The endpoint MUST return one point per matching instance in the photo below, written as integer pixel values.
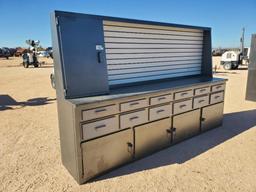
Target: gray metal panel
(65, 113)
(83, 73)
(107, 152)
(207, 54)
(152, 137)
(186, 125)
(212, 116)
(251, 79)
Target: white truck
(232, 59)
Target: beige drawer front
(132, 119)
(182, 106)
(217, 97)
(99, 112)
(201, 101)
(160, 112)
(218, 87)
(133, 105)
(160, 99)
(183, 94)
(98, 128)
(203, 90)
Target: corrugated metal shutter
(138, 52)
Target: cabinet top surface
(136, 90)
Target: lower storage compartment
(185, 125)
(107, 152)
(212, 116)
(152, 137)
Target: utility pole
(242, 42)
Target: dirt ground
(223, 159)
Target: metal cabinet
(104, 153)
(186, 125)
(212, 116)
(152, 137)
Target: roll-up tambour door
(142, 52)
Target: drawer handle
(133, 118)
(182, 94)
(100, 126)
(160, 110)
(218, 87)
(202, 90)
(100, 110)
(216, 97)
(181, 106)
(130, 147)
(161, 98)
(135, 103)
(200, 101)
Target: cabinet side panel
(65, 111)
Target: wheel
(35, 65)
(235, 67)
(227, 66)
(26, 65)
(7, 57)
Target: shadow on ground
(233, 124)
(8, 103)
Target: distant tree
(40, 48)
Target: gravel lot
(223, 159)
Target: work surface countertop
(128, 91)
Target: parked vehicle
(232, 59)
(5, 52)
(20, 51)
(49, 51)
(43, 54)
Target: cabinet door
(152, 137)
(186, 125)
(212, 116)
(104, 153)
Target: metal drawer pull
(181, 106)
(160, 110)
(135, 103)
(100, 110)
(216, 97)
(161, 98)
(182, 94)
(130, 147)
(218, 87)
(135, 117)
(202, 119)
(100, 126)
(202, 90)
(200, 101)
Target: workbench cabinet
(128, 88)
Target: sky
(30, 19)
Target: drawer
(217, 97)
(160, 99)
(133, 105)
(201, 101)
(160, 112)
(182, 106)
(218, 87)
(203, 90)
(183, 94)
(98, 128)
(132, 119)
(99, 112)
